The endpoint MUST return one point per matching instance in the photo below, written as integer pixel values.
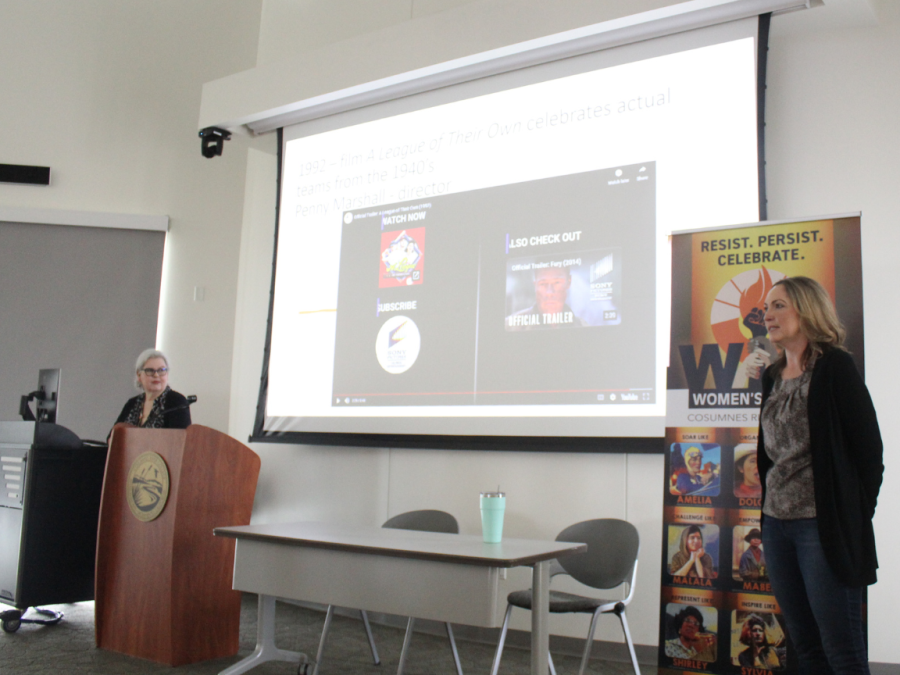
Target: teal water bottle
(493, 504)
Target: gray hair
(142, 358)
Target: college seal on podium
(148, 486)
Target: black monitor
(46, 398)
(48, 395)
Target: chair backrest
(426, 520)
(611, 555)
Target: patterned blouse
(790, 494)
(675, 649)
(155, 419)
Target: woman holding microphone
(820, 463)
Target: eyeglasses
(692, 622)
(154, 371)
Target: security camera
(212, 139)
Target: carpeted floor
(69, 648)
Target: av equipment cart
(49, 504)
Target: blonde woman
(820, 464)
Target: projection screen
(486, 265)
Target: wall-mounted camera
(212, 140)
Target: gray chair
(610, 561)
(427, 520)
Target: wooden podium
(163, 587)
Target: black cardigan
(173, 419)
(846, 462)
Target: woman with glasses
(158, 406)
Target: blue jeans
(823, 615)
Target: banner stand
(715, 588)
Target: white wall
(830, 142)
(106, 93)
(289, 27)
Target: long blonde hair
(818, 319)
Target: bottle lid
(493, 494)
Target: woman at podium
(158, 406)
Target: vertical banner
(717, 613)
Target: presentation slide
(498, 264)
(491, 297)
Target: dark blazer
(846, 462)
(174, 419)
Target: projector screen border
(592, 444)
(610, 444)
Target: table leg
(540, 618)
(265, 642)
